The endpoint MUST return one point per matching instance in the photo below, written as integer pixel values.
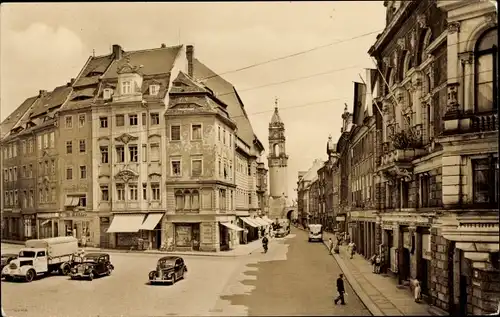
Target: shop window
(485, 180)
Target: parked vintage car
(6, 258)
(169, 269)
(92, 265)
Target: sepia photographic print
(276, 158)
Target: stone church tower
(277, 162)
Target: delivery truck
(42, 257)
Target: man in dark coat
(340, 289)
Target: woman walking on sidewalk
(330, 246)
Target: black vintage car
(169, 269)
(92, 265)
(6, 258)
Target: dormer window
(107, 93)
(126, 88)
(154, 89)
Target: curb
(369, 304)
(111, 251)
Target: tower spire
(276, 103)
(276, 117)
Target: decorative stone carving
(422, 21)
(387, 61)
(403, 173)
(466, 57)
(452, 104)
(413, 40)
(491, 18)
(126, 138)
(453, 27)
(126, 175)
(402, 43)
(395, 59)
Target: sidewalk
(379, 294)
(241, 250)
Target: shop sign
(48, 215)
(183, 235)
(206, 232)
(104, 220)
(340, 218)
(76, 214)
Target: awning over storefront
(260, 221)
(71, 201)
(231, 226)
(126, 223)
(151, 221)
(265, 218)
(250, 222)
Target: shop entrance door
(104, 236)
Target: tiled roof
(153, 61)
(50, 100)
(227, 93)
(96, 67)
(10, 122)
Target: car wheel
(65, 269)
(174, 279)
(110, 269)
(9, 278)
(30, 275)
(91, 276)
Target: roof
(94, 254)
(10, 122)
(312, 173)
(95, 68)
(153, 61)
(226, 92)
(276, 116)
(50, 100)
(169, 258)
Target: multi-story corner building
(129, 162)
(212, 175)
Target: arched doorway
(289, 215)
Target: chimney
(117, 52)
(189, 57)
(163, 45)
(42, 93)
(71, 82)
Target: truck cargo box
(56, 247)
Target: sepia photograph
(274, 158)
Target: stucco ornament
(126, 175)
(422, 21)
(126, 138)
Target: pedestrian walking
(372, 262)
(378, 263)
(330, 246)
(417, 291)
(340, 290)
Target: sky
(43, 45)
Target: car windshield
(91, 259)
(166, 264)
(27, 254)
